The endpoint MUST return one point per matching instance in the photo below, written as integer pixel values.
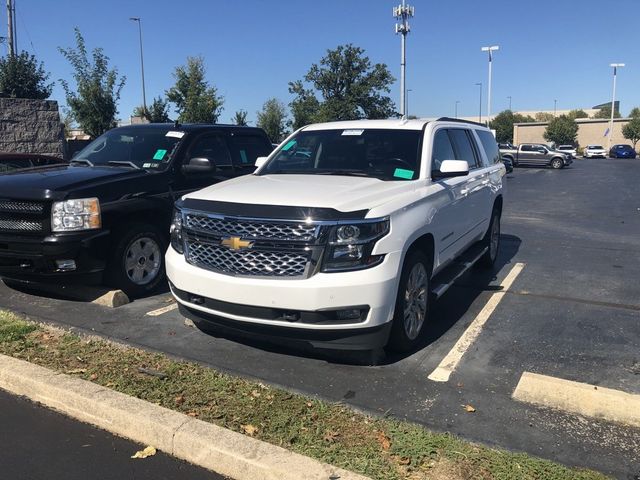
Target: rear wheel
(491, 241)
(412, 303)
(557, 163)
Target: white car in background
(595, 151)
(570, 149)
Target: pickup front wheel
(412, 303)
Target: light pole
(144, 95)
(403, 13)
(407, 109)
(457, 102)
(490, 50)
(509, 97)
(555, 107)
(479, 84)
(613, 99)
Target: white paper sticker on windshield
(352, 132)
(174, 133)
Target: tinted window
(490, 146)
(246, 148)
(462, 146)
(528, 148)
(442, 149)
(213, 147)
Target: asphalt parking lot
(571, 309)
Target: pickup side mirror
(198, 165)
(260, 161)
(451, 168)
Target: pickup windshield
(377, 153)
(139, 147)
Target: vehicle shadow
(445, 313)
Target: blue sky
(549, 49)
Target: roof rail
(448, 119)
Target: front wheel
(412, 303)
(557, 163)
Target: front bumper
(30, 258)
(247, 303)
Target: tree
(577, 114)
(157, 112)
(635, 113)
(562, 130)
(273, 119)
(67, 121)
(240, 118)
(22, 77)
(544, 117)
(503, 124)
(631, 131)
(605, 112)
(349, 85)
(196, 101)
(94, 102)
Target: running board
(443, 280)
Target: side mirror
(260, 161)
(451, 168)
(198, 165)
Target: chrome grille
(19, 225)
(14, 206)
(246, 262)
(253, 229)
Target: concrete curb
(201, 443)
(581, 398)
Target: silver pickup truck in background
(535, 154)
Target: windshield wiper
(347, 173)
(124, 162)
(80, 160)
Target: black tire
(491, 240)
(406, 330)
(557, 163)
(142, 275)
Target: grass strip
(381, 448)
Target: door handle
(464, 192)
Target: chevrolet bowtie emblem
(236, 243)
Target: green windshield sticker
(243, 156)
(402, 173)
(159, 155)
(289, 145)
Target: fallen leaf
(179, 399)
(77, 370)
(404, 460)
(249, 429)
(469, 409)
(255, 394)
(331, 436)
(93, 376)
(309, 404)
(147, 452)
(192, 414)
(385, 442)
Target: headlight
(76, 215)
(351, 244)
(176, 232)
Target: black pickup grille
(18, 216)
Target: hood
(56, 182)
(345, 194)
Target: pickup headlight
(176, 232)
(351, 244)
(76, 215)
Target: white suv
(343, 235)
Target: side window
(213, 147)
(527, 148)
(442, 149)
(464, 149)
(246, 148)
(490, 146)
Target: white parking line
(450, 362)
(160, 311)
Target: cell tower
(402, 13)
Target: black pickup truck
(105, 217)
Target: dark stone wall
(31, 126)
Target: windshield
(384, 154)
(137, 147)
(595, 147)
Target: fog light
(66, 265)
(351, 314)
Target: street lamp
(509, 97)
(555, 107)
(457, 102)
(407, 107)
(479, 84)
(490, 50)
(403, 13)
(144, 96)
(613, 98)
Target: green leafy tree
(605, 112)
(544, 117)
(577, 114)
(94, 101)
(562, 130)
(273, 119)
(635, 113)
(631, 131)
(196, 101)
(503, 124)
(157, 112)
(349, 85)
(67, 121)
(240, 118)
(22, 77)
